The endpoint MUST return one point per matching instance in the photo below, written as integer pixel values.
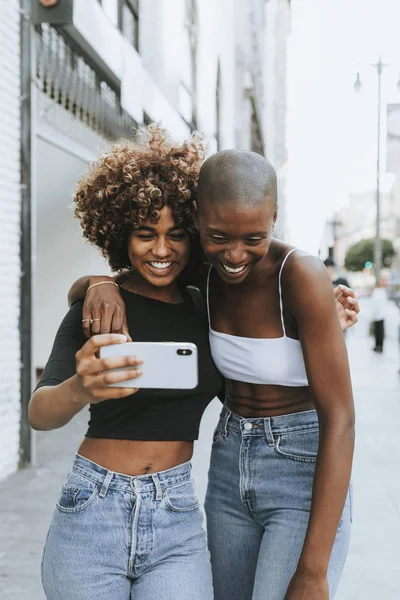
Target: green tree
(364, 251)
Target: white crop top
(266, 361)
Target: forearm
(78, 290)
(331, 483)
(80, 286)
(52, 407)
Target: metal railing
(66, 77)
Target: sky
(332, 137)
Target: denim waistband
(262, 425)
(140, 483)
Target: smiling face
(159, 251)
(236, 237)
(236, 211)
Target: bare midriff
(254, 400)
(134, 457)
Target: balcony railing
(65, 76)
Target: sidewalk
(372, 569)
(372, 573)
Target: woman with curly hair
(128, 523)
(279, 500)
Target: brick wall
(9, 236)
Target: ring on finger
(91, 321)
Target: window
(129, 21)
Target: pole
(378, 244)
(26, 233)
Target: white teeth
(234, 271)
(160, 265)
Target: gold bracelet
(101, 283)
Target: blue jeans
(258, 503)
(116, 537)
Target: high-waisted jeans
(258, 504)
(116, 537)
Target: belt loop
(268, 431)
(105, 484)
(225, 423)
(157, 485)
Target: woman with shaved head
(279, 496)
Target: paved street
(372, 572)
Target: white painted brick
(10, 203)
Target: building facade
(277, 31)
(10, 267)
(249, 55)
(97, 68)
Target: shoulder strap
(280, 289)
(198, 302)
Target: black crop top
(148, 414)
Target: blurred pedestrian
(336, 278)
(379, 305)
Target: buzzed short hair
(237, 176)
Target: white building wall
(277, 17)
(243, 80)
(151, 79)
(62, 255)
(250, 71)
(216, 45)
(9, 237)
(161, 38)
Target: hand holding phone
(166, 365)
(94, 375)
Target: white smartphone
(166, 365)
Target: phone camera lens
(184, 352)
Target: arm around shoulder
(79, 288)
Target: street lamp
(378, 66)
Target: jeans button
(248, 426)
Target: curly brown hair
(134, 180)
